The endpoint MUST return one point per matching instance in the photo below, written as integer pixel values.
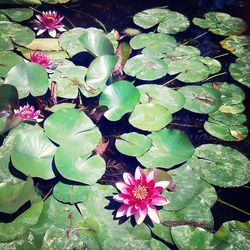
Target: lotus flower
(27, 113)
(50, 21)
(41, 58)
(140, 195)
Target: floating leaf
(169, 148)
(201, 99)
(232, 109)
(240, 71)
(15, 195)
(99, 71)
(18, 14)
(133, 144)
(72, 129)
(213, 64)
(238, 45)
(157, 94)
(28, 78)
(120, 98)
(10, 231)
(8, 60)
(221, 24)
(13, 32)
(79, 168)
(61, 106)
(155, 44)
(220, 165)
(96, 43)
(44, 44)
(146, 67)
(70, 193)
(227, 118)
(169, 21)
(150, 117)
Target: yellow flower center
(140, 192)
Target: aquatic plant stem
(225, 54)
(232, 206)
(195, 38)
(166, 83)
(213, 76)
(48, 194)
(86, 14)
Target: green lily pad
(13, 32)
(79, 168)
(213, 64)
(32, 153)
(120, 98)
(221, 24)
(240, 71)
(150, 117)
(8, 99)
(231, 94)
(182, 52)
(28, 78)
(170, 147)
(69, 79)
(133, 144)
(226, 132)
(227, 118)
(14, 195)
(220, 165)
(18, 14)
(96, 43)
(157, 94)
(61, 106)
(201, 99)
(238, 45)
(155, 44)
(232, 109)
(73, 130)
(70, 193)
(8, 60)
(170, 22)
(10, 231)
(99, 71)
(145, 67)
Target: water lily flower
(41, 58)
(27, 113)
(49, 21)
(140, 195)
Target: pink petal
(153, 214)
(120, 185)
(162, 184)
(40, 32)
(52, 33)
(119, 197)
(139, 174)
(121, 211)
(129, 179)
(61, 29)
(151, 176)
(140, 216)
(159, 201)
(131, 210)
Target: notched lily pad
(18, 14)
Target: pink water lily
(27, 112)
(49, 21)
(140, 195)
(42, 59)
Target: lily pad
(18, 14)
(150, 117)
(44, 44)
(221, 24)
(28, 78)
(133, 144)
(157, 94)
(240, 71)
(170, 22)
(220, 165)
(120, 98)
(61, 106)
(72, 129)
(155, 44)
(79, 168)
(227, 118)
(232, 109)
(99, 71)
(69, 79)
(13, 32)
(170, 147)
(32, 153)
(238, 45)
(70, 193)
(201, 99)
(145, 67)
(8, 60)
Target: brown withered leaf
(102, 146)
(236, 135)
